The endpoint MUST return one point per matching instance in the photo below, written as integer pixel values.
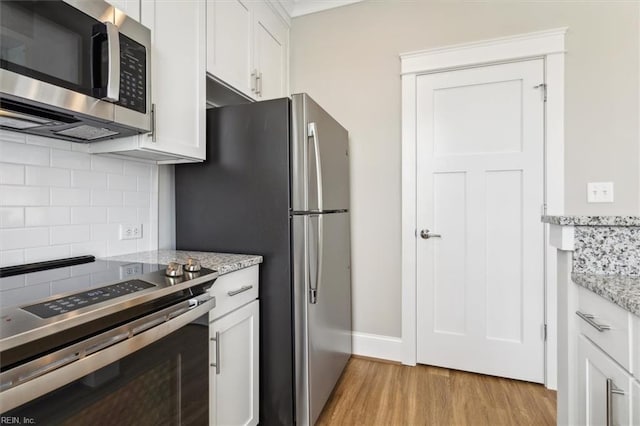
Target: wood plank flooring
(375, 393)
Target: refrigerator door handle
(313, 134)
(314, 285)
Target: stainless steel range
(116, 340)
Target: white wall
(347, 59)
(58, 201)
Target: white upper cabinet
(178, 79)
(229, 42)
(271, 53)
(178, 83)
(130, 7)
(247, 47)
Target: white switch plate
(600, 192)
(130, 232)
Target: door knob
(426, 235)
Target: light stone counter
(622, 290)
(221, 262)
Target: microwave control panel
(133, 75)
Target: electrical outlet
(130, 232)
(600, 192)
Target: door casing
(548, 45)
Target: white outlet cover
(600, 192)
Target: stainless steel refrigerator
(276, 183)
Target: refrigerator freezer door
(323, 328)
(319, 158)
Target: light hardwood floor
(375, 393)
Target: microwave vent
(87, 132)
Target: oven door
(79, 56)
(159, 376)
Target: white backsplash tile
(127, 215)
(88, 215)
(39, 254)
(97, 248)
(11, 239)
(48, 142)
(23, 154)
(70, 159)
(70, 197)
(83, 179)
(45, 176)
(137, 169)
(12, 174)
(106, 198)
(11, 257)
(124, 183)
(47, 216)
(70, 234)
(57, 200)
(18, 195)
(14, 137)
(105, 232)
(144, 183)
(107, 164)
(11, 217)
(137, 199)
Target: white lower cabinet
(233, 350)
(635, 403)
(604, 395)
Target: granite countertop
(592, 220)
(221, 262)
(622, 290)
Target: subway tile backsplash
(56, 200)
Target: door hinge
(544, 332)
(543, 209)
(543, 90)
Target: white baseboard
(377, 346)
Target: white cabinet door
(178, 76)
(248, 47)
(234, 370)
(270, 54)
(595, 369)
(130, 7)
(229, 42)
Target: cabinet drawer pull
(611, 390)
(589, 319)
(240, 290)
(217, 363)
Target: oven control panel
(86, 298)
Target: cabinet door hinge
(543, 209)
(543, 90)
(544, 332)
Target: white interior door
(480, 286)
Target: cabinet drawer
(234, 290)
(606, 325)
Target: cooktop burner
(87, 298)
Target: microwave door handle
(113, 65)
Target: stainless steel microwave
(77, 70)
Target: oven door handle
(43, 375)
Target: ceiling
(303, 7)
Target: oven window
(48, 41)
(165, 383)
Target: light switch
(600, 192)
